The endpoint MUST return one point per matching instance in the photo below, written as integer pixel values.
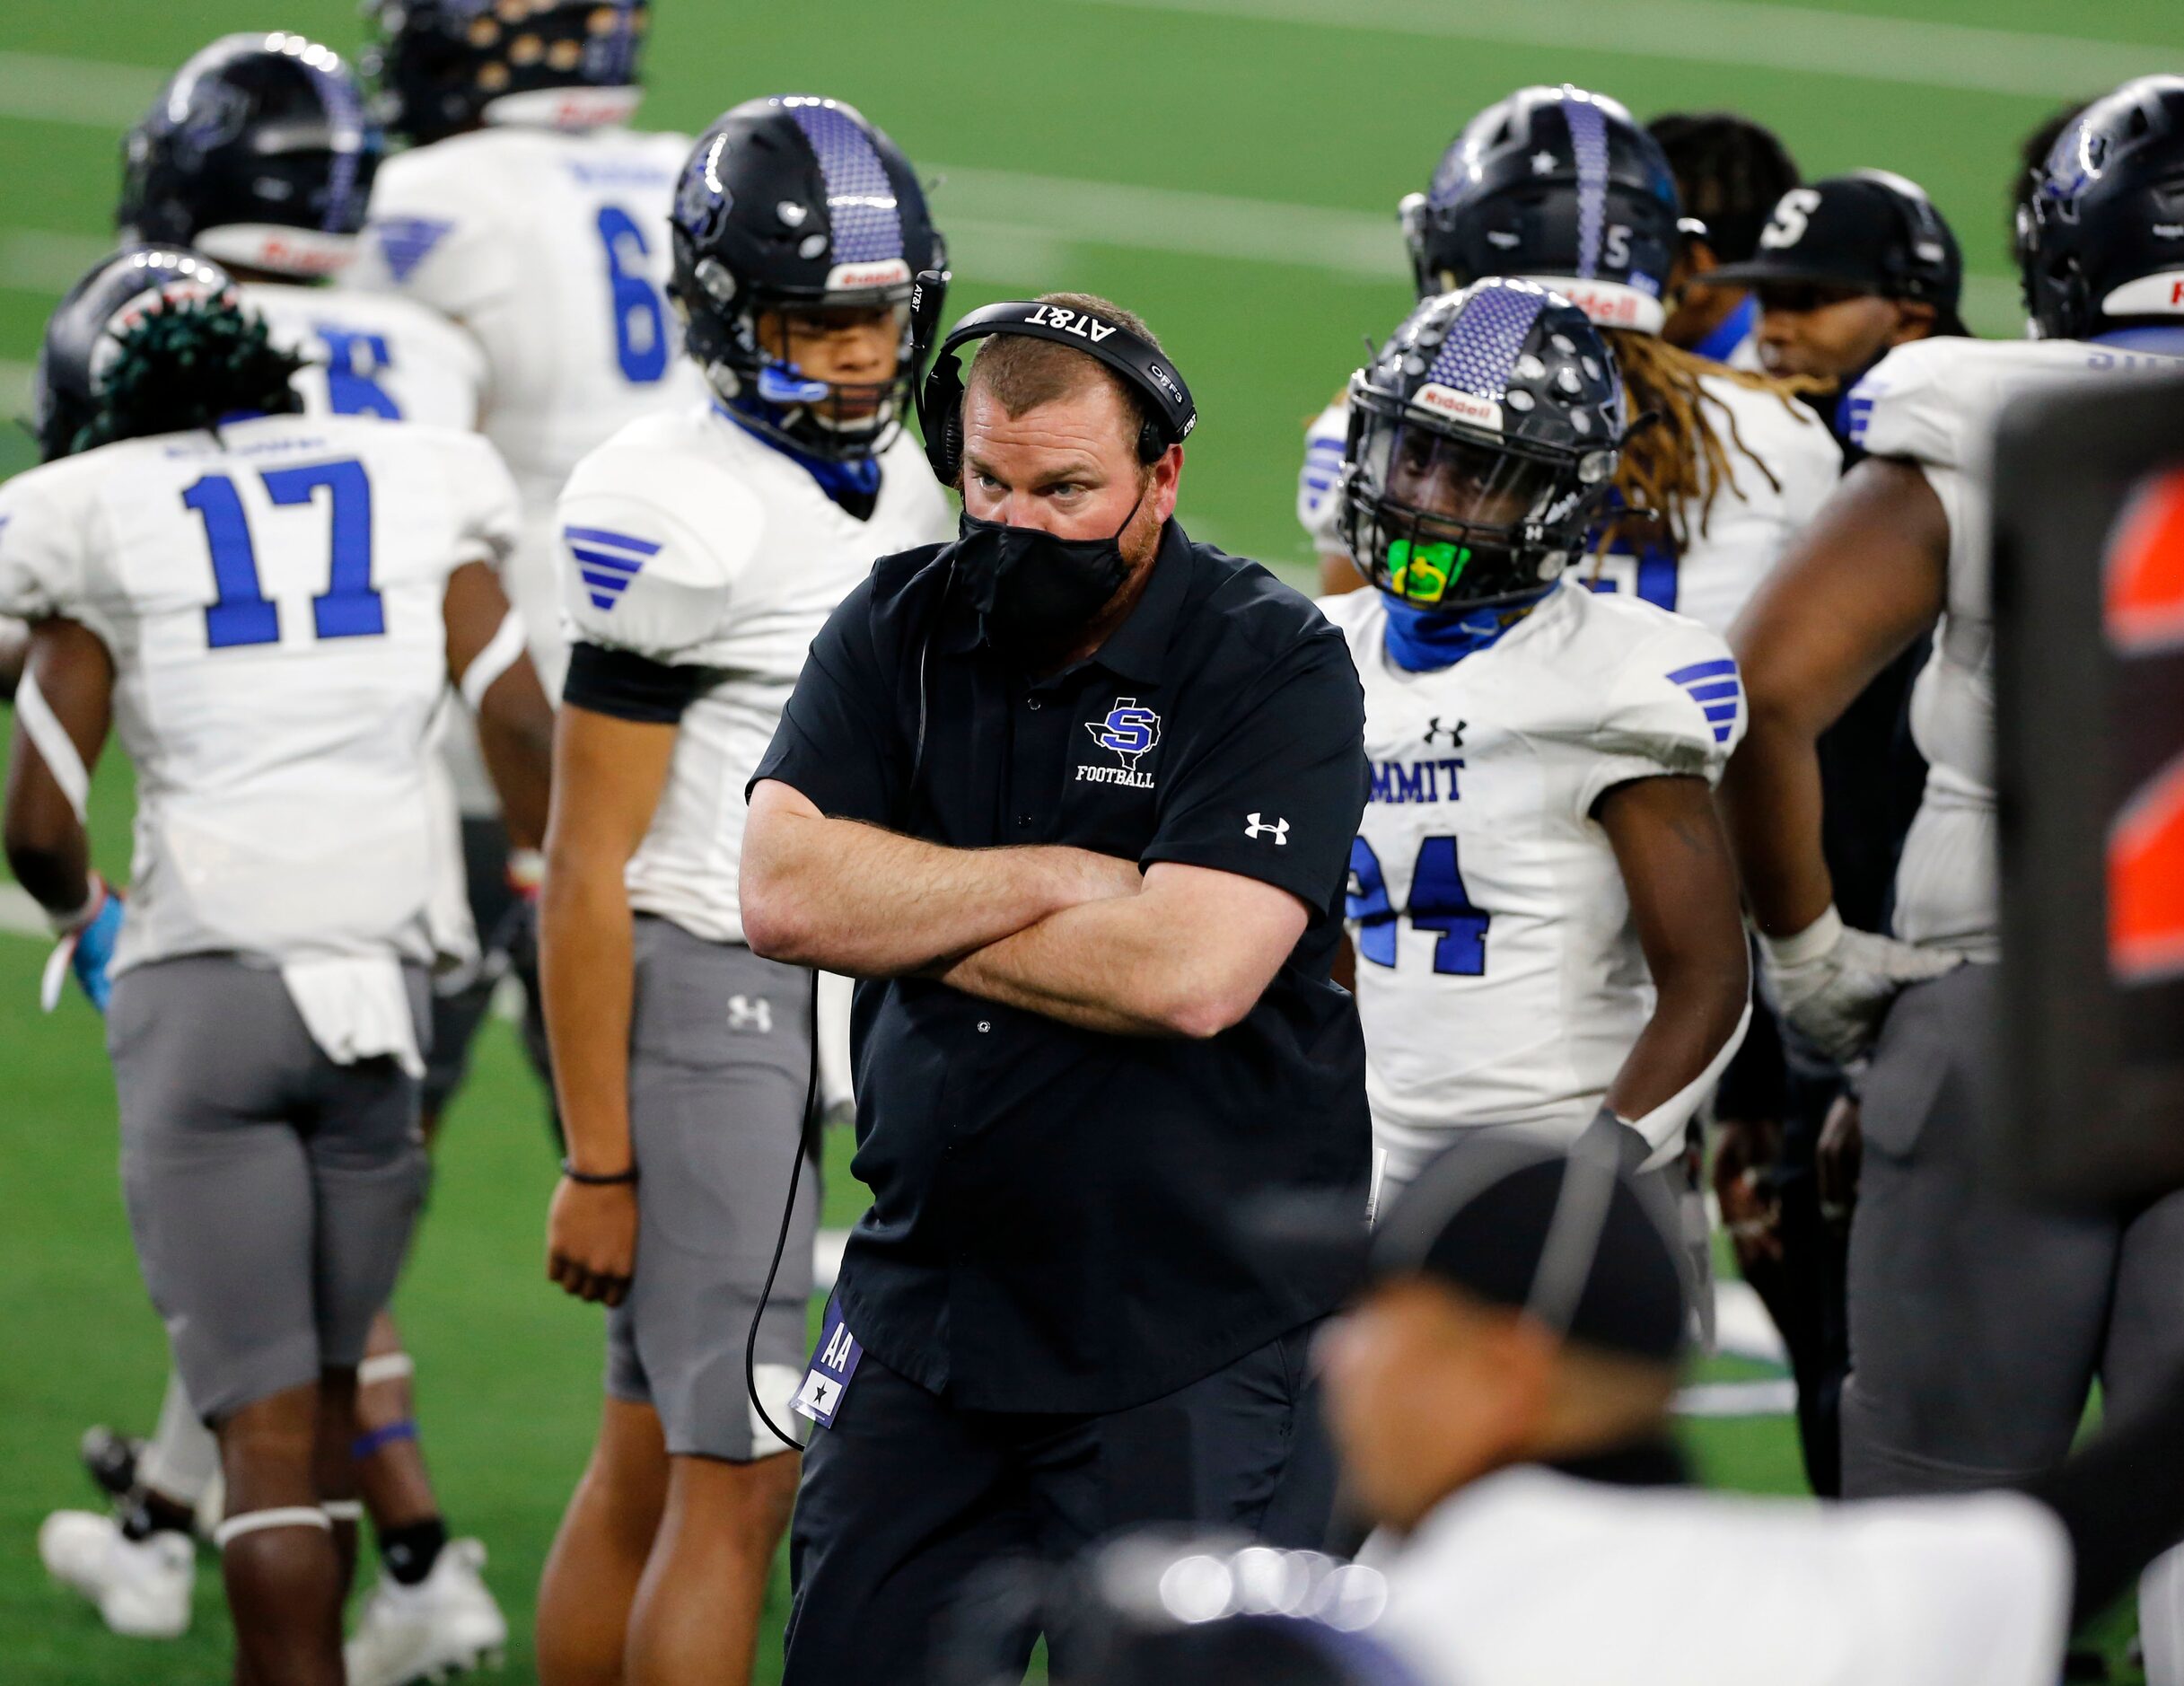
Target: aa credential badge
(1129, 732)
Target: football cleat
(142, 1587)
(109, 1458)
(448, 1623)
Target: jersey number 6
(242, 613)
(640, 325)
(1438, 902)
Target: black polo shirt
(1055, 1219)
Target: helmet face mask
(1479, 449)
(797, 220)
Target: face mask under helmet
(1483, 440)
(795, 206)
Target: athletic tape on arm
(55, 747)
(503, 650)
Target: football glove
(86, 947)
(1834, 983)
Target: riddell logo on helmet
(1619, 308)
(1466, 406)
(850, 278)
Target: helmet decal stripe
(860, 198)
(1589, 143)
(345, 115)
(1486, 339)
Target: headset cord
(806, 1144)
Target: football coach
(1073, 797)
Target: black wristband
(590, 1180)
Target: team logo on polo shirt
(1129, 732)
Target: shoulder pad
(1675, 698)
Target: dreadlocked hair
(186, 363)
(1672, 465)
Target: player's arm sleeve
(838, 742)
(1324, 442)
(645, 597)
(1276, 794)
(1675, 708)
(44, 568)
(490, 512)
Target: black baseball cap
(1871, 231)
(1559, 1233)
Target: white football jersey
(374, 356)
(550, 246)
(1751, 521)
(1498, 976)
(1530, 1577)
(272, 598)
(1745, 532)
(689, 541)
(1935, 402)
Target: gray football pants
(1978, 1323)
(271, 1191)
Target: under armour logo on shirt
(1434, 729)
(752, 1014)
(1279, 828)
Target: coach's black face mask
(1034, 591)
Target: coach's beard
(1035, 592)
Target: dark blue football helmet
(1560, 187)
(440, 67)
(794, 202)
(257, 152)
(1483, 443)
(2100, 236)
(86, 327)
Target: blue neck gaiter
(1730, 333)
(1420, 641)
(838, 480)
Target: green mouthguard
(1423, 573)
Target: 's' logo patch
(1129, 732)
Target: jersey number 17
(242, 613)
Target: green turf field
(1229, 167)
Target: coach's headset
(940, 395)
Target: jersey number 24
(1438, 902)
(242, 613)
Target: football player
(1845, 269)
(525, 210)
(703, 547)
(1559, 186)
(2035, 1304)
(258, 152)
(1544, 907)
(1730, 173)
(268, 607)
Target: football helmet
(257, 152)
(2100, 236)
(86, 329)
(444, 66)
(1560, 187)
(1483, 442)
(794, 202)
